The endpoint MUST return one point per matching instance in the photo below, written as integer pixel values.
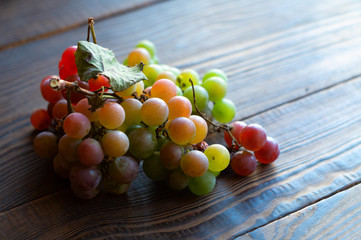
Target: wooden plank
(337, 217)
(320, 155)
(258, 63)
(24, 21)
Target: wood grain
(308, 52)
(337, 217)
(25, 21)
(320, 156)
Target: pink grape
(76, 125)
(269, 152)
(253, 137)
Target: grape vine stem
(217, 126)
(91, 29)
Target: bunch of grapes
(98, 138)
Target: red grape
(269, 152)
(68, 57)
(40, 119)
(236, 130)
(253, 137)
(48, 93)
(75, 97)
(97, 83)
(243, 163)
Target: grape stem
(225, 127)
(91, 29)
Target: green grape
(215, 73)
(151, 72)
(224, 110)
(216, 174)
(68, 148)
(174, 70)
(131, 128)
(170, 155)
(147, 45)
(161, 141)
(142, 142)
(155, 60)
(179, 91)
(131, 108)
(216, 88)
(154, 112)
(154, 169)
(114, 187)
(115, 143)
(202, 185)
(194, 163)
(218, 157)
(202, 97)
(178, 180)
(184, 76)
(45, 144)
(125, 61)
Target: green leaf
(92, 59)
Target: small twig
(91, 29)
(217, 126)
(68, 102)
(59, 84)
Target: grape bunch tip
(97, 135)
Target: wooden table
(293, 66)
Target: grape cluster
(98, 138)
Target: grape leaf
(92, 59)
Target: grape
(127, 92)
(115, 143)
(45, 144)
(170, 155)
(138, 55)
(236, 130)
(216, 174)
(194, 163)
(154, 112)
(179, 91)
(76, 125)
(60, 109)
(142, 142)
(139, 88)
(61, 166)
(184, 76)
(84, 181)
(224, 110)
(65, 72)
(201, 129)
(148, 45)
(243, 163)
(269, 152)
(50, 109)
(148, 92)
(83, 107)
(174, 70)
(75, 97)
(179, 106)
(253, 137)
(215, 73)
(181, 130)
(151, 72)
(132, 108)
(48, 93)
(123, 169)
(178, 180)
(216, 88)
(114, 187)
(111, 115)
(153, 168)
(125, 61)
(167, 75)
(90, 152)
(164, 89)
(98, 82)
(202, 185)
(40, 119)
(131, 128)
(68, 148)
(68, 57)
(218, 157)
(202, 97)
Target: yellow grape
(139, 87)
(167, 75)
(131, 108)
(154, 112)
(201, 129)
(164, 89)
(127, 92)
(179, 106)
(181, 130)
(111, 115)
(138, 55)
(115, 143)
(218, 157)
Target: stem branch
(91, 29)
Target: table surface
(293, 66)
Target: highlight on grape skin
(99, 138)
